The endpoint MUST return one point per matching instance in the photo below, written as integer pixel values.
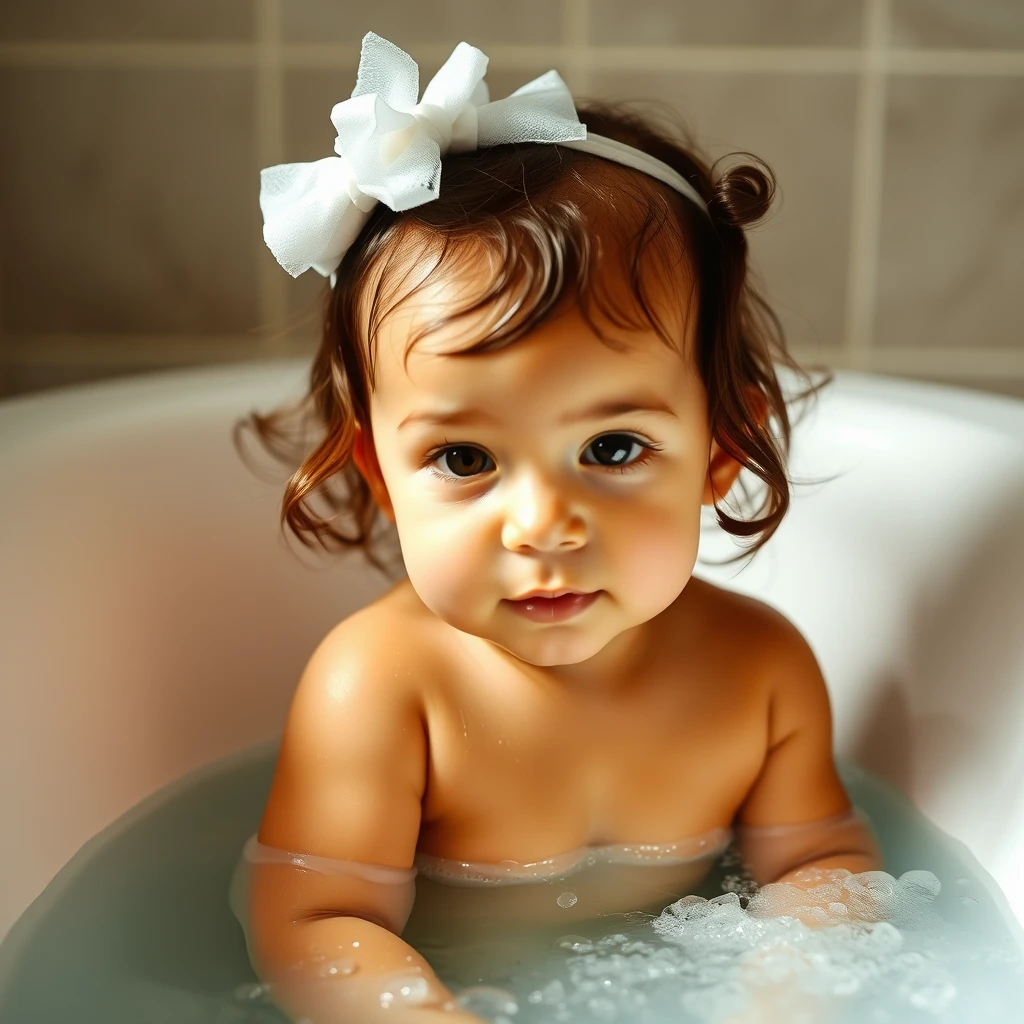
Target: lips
(549, 593)
(539, 607)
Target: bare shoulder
(732, 608)
(392, 637)
(378, 655)
(763, 645)
(776, 667)
(352, 765)
(797, 781)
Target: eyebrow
(605, 409)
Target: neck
(619, 666)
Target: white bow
(390, 147)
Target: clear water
(136, 929)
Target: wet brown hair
(536, 210)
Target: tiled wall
(133, 132)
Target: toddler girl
(542, 355)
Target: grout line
(969, 363)
(151, 350)
(273, 299)
(128, 55)
(574, 51)
(4, 349)
(866, 193)
(174, 349)
(955, 62)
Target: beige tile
(305, 297)
(954, 24)
(726, 22)
(309, 97)
(404, 22)
(952, 232)
(120, 20)
(802, 127)
(25, 379)
(130, 202)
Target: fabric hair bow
(390, 147)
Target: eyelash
(435, 453)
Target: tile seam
(866, 191)
(573, 49)
(269, 144)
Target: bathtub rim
(31, 420)
(1003, 413)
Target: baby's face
(561, 464)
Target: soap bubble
(251, 991)
(488, 1002)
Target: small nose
(538, 517)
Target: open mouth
(553, 609)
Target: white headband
(390, 147)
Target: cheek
(446, 559)
(656, 551)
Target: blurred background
(134, 130)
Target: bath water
(136, 929)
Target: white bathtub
(152, 620)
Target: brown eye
(464, 460)
(614, 449)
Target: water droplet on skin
(405, 990)
(340, 968)
(567, 899)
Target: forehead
(555, 361)
(553, 365)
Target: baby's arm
(798, 783)
(349, 779)
(796, 818)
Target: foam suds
(170, 952)
(875, 951)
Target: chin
(550, 651)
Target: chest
(517, 772)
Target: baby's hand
(818, 897)
(815, 897)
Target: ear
(723, 469)
(365, 457)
